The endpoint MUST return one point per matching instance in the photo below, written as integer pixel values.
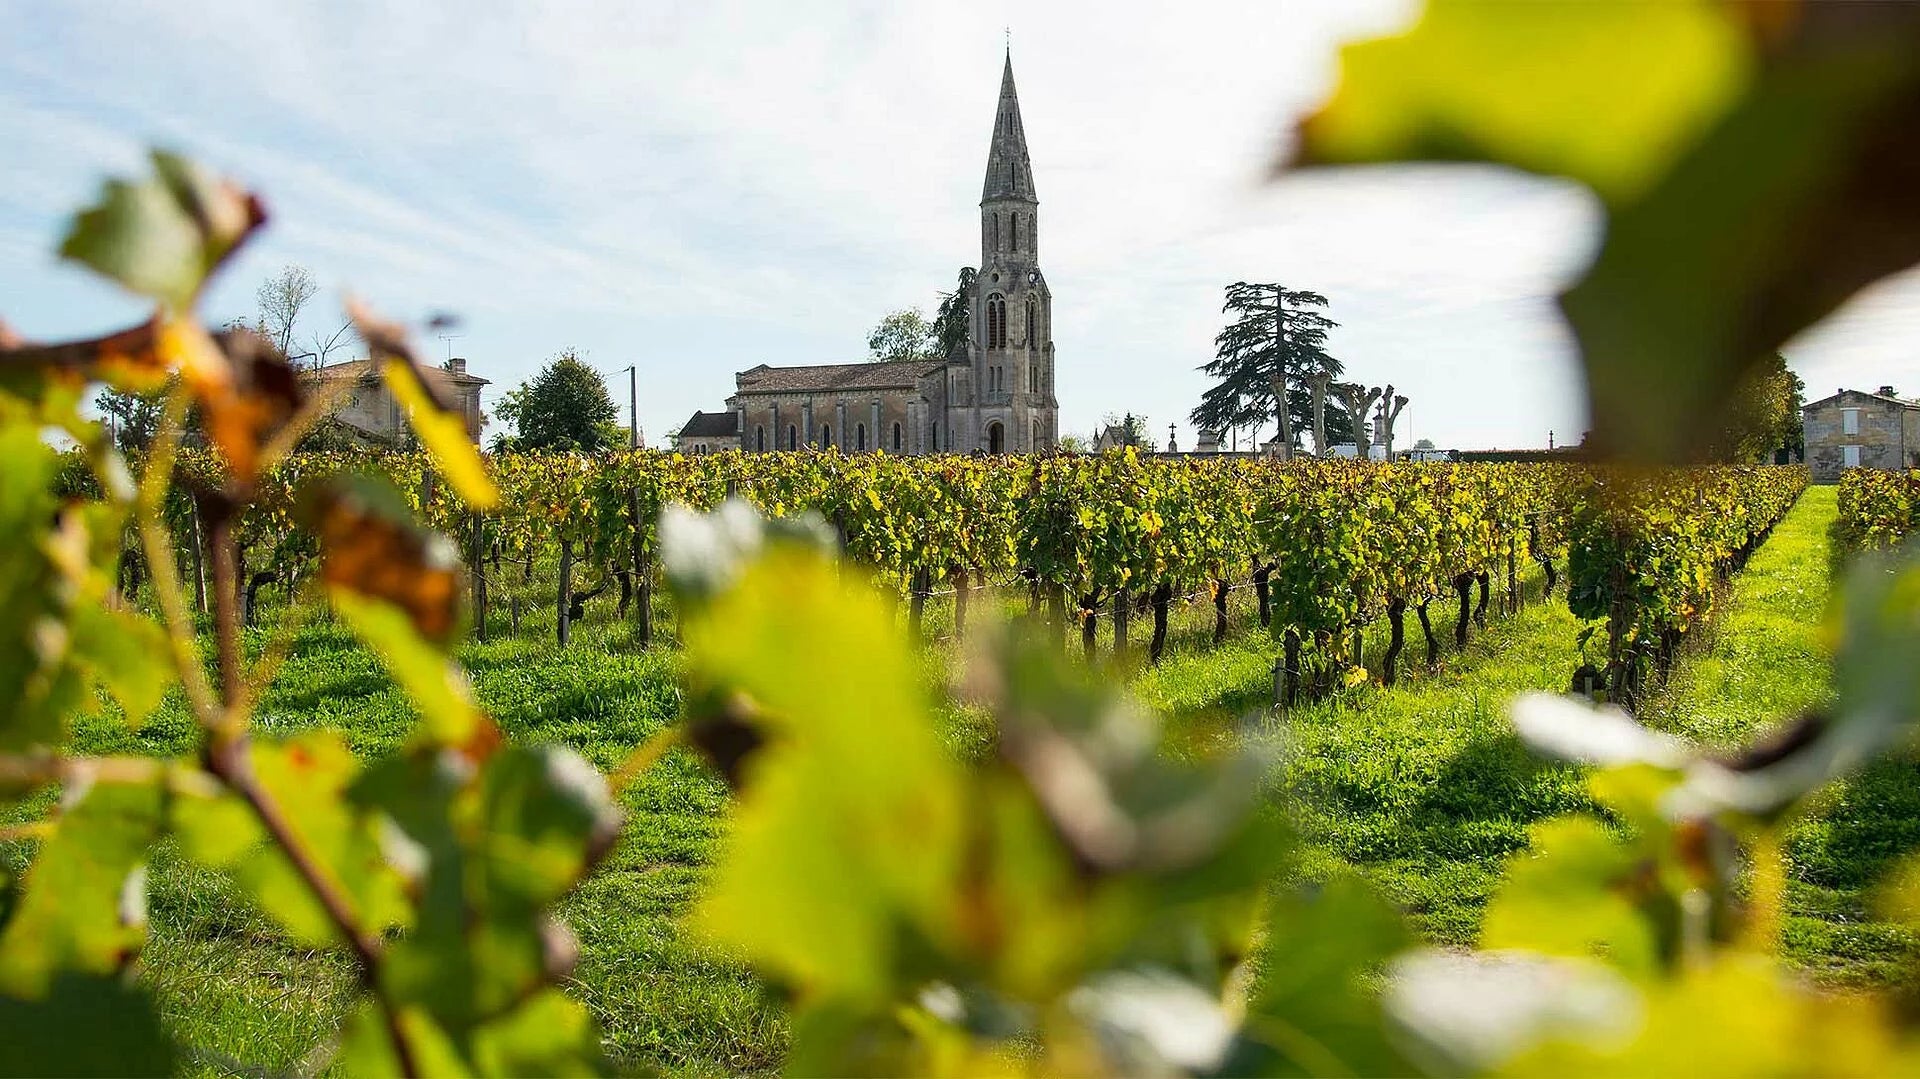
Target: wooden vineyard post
(477, 566)
(1122, 618)
(198, 550)
(565, 592)
(642, 577)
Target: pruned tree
(1278, 333)
(565, 407)
(1355, 400)
(322, 344)
(952, 323)
(901, 335)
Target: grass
(1766, 662)
(1422, 787)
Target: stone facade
(995, 395)
(1858, 429)
(708, 432)
(369, 412)
(853, 407)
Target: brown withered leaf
(369, 546)
(258, 394)
(129, 359)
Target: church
(995, 395)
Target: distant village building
(368, 412)
(993, 395)
(1113, 436)
(1855, 429)
(1207, 441)
(708, 432)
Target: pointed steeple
(1009, 170)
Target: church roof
(711, 425)
(824, 378)
(1009, 169)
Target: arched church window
(1033, 322)
(1016, 232)
(793, 437)
(760, 438)
(996, 232)
(826, 435)
(997, 321)
(860, 437)
(896, 438)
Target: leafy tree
(1279, 331)
(1424, 444)
(281, 298)
(135, 417)
(563, 408)
(902, 335)
(952, 322)
(1133, 428)
(1761, 415)
(1071, 444)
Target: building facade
(368, 412)
(1855, 429)
(994, 395)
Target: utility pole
(633, 406)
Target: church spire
(1009, 170)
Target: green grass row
(1766, 662)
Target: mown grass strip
(1766, 662)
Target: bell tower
(1013, 409)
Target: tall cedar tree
(1279, 330)
(564, 407)
(951, 322)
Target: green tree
(902, 335)
(134, 417)
(563, 408)
(1134, 430)
(1762, 414)
(952, 322)
(1278, 331)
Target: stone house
(369, 413)
(1856, 429)
(992, 394)
(709, 432)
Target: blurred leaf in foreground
(164, 235)
(1755, 160)
(421, 391)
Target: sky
(695, 189)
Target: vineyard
(1328, 548)
(1877, 509)
(810, 773)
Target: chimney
(458, 365)
(1886, 391)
